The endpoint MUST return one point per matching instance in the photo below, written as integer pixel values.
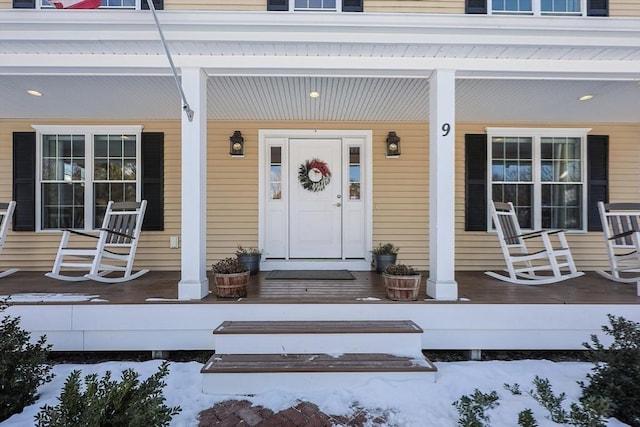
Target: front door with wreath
(315, 208)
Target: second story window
(538, 7)
(315, 5)
(321, 5)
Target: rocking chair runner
(621, 231)
(524, 266)
(115, 250)
(6, 213)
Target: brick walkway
(242, 413)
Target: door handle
(337, 204)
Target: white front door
(315, 204)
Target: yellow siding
(243, 5)
(400, 195)
(415, 6)
(624, 8)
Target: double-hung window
(542, 172)
(80, 169)
(538, 7)
(316, 5)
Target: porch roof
(367, 67)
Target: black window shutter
(24, 181)
(24, 4)
(158, 5)
(597, 178)
(597, 7)
(475, 7)
(475, 182)
(352, 5)
(153, 180)
(278, 5)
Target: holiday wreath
(314, 175)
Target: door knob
(337, 204)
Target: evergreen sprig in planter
(230, 277)
(401, 282)
(250, 257)
(383, 255)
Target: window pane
(275, 173)
(276, 155)
(129, 170)
(62, 205)
(100, 146)
(497, 171)
(355, 173)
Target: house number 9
(446, 128)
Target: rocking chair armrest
(129, 236)
(80, 233)
(538, 233)
(623, 234)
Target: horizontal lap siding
(624, 8)
(241, 5)
(480, 250)
(415, 6)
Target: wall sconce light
(393, 145)
(236, 144)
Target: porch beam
(194, 283)
(441, 284)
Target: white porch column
(193, 281)
(441, 284)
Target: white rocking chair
(6, 214)
(115, 250)
(556, 262)
(621, 230)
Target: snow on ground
(406, 403)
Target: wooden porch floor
(474, 287)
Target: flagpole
(185, 104)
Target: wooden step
(257, 373)
(358, 336)
(317, 326)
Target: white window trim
(536, 10)
(88, 132)
(537, 134)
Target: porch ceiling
(372, 67)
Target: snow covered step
(330, 337)
(258, 373)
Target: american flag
(75, 4)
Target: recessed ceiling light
(314, 94)
(34, 92)
(585, 97)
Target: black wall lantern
(236, 144)
(393, 145)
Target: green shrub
(23, 366)
(107, 403)
(472, 408)
(616, 375)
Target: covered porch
(158, 287)
(146, 314)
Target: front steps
(255, 357)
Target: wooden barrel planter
(233, 285)
(402, 288)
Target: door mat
(310, 275)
